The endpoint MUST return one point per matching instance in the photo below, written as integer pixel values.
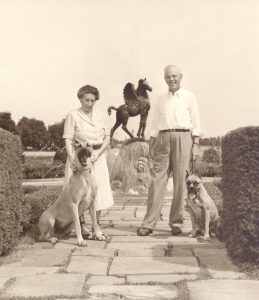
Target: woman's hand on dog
(95, 156)
(72, 164)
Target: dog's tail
(36, 232)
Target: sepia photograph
(129, 149)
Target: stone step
(67, 285)
(218, 289)
(153, 265)
(135, 291)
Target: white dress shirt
(178, 111)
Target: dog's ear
(196, 174)
(187, 174)
(90, 148)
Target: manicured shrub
(207, 169)
(10, 190)
(211, 155)
(240, 187)
(38, 169)
(61, 155)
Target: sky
(50, 48)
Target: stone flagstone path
(127, 266)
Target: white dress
(80, 128)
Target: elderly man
(174, 141)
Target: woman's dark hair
(88, 89)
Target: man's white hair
(172, 67)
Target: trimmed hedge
(10, 190)
(240, 187)
(39, 169)
(60, 155)
(207, 169)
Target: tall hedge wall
(240, 187)
(10, 190)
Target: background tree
(211, 155)
(211, 141)
(7, 123)
(55, 132)
(33, 133)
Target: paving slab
(227, 274)
(105, 280)
(124, 231)
(121, 212)
(43, 258)
(155, 239)
(166, 231)
(134, 246)
(116, 218)
(71, 243)
(133, 251)
(46, 285)
(85, 251)
(137, 291)
(212, 244)
(217, 289)
(42, 245)
(93, 265)
(13, 271)
(157, 250)
(154, 265)
(101, 297)
(216, 260)
(3, 280)
(159, 279)
(94, 297)
(211, 252)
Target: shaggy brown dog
(203, 211)
(75, 199)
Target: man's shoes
(176, 230)
(142, 231)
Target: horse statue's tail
(110, 109)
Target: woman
(87, 125)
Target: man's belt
(97, 146)
(175, 130)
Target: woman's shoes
(142, 231)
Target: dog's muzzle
(83, 155)
(191, 190)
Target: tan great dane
(78, 196)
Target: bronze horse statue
(136, 103)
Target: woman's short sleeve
(69, 127)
